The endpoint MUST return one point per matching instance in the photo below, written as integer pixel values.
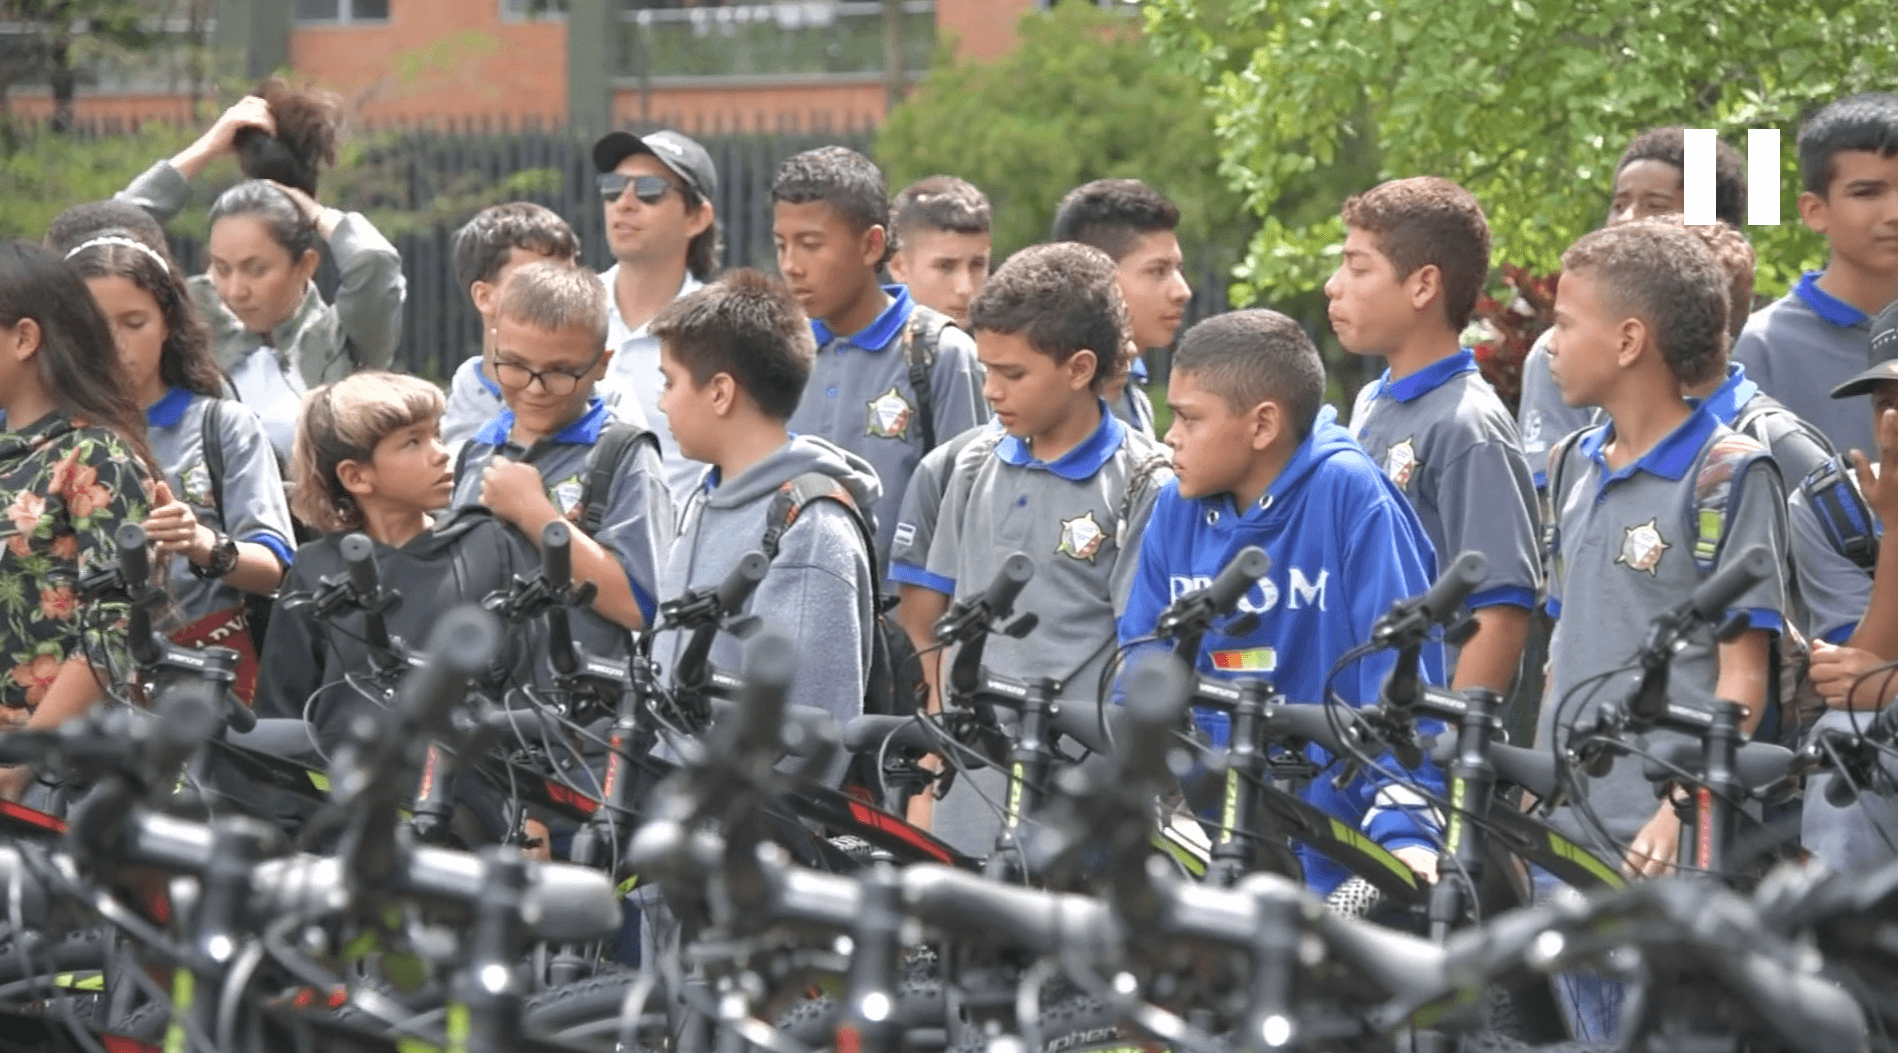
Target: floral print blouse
(65, 488)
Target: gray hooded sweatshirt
(820, 588)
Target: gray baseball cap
(1884, 356)
(681, 154)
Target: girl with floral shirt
(74, 467)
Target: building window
(531, 10)
(342, 12)
(801, 38)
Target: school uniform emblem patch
(1400, 462)
(890, 414)
(566, 497)
(1081, 537)
(197, 486)
(1642, 547)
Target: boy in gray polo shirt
(1801, 346)
(831, 219)
(531, 464)
(1649, 181)
(1645, 507)
(1849, 612)
(1416, 254)
(1063, 480)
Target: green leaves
(1527, 103)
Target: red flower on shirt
(37, 676)
(58, 601)
(26, 511)
(66, 547)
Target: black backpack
(921, 337)
(893, 684)
(605, 462)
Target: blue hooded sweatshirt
(1344, 546)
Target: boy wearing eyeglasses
(556, 452)
(657, 191)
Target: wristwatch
(223, 558)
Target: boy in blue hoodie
(1258, 461)
(736, 355)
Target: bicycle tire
(584, 1013)
(83, 951)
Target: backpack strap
(604, 464)
(1139, 481)
(211, 451)
(1553, 491)
(921, 337)
(1848, 521)
(796, 495)
(1716, 477)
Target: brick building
(705, 64)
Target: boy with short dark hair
(942, 244)
(488, 249)
(555, 452)
(1416, 255)
(1649, 180)
(1802, 345)
(1258, 460)
(1062, 479)
(736, 356)
(1645, 508)
(1134, 224)
(1640, 314)
(878, 350)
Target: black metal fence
(429, 171)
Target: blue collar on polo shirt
(878, 334)
(1077, 464)
(1670, 458)
(1425, 380)
(1826, 305)
(481, 374)
(168, 411)
(584, 431)
(1726, 402)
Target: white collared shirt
(633, 376)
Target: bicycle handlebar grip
(1715, 595)
(135, 564)
(188, 714)
(463, 643)
(742, 581)
(556, 554)
(1237, 576)
(1454, 586)
(359, 555)
(1017, 571)
(1156, 692)
(770, 663)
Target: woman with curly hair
(270, 328)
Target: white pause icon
(1762, 176)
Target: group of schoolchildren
(903, 439)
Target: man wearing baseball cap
(1835, 516)
(658, 191)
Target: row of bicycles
(202, 881)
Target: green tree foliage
(1081, 98)
(1528, 103)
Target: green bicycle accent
(1376, 851)
(1016, 778)
(1453, 837)
(319, 780)
(1585, 859)
(457, 1028)
(80, 981)
(182, 994)
(1188, 860)
(415, 1045)
(625, 888)
(1229, 817)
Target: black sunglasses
(649, 189)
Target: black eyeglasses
(649, 189)
(552, 381)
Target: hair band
(114, 239)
